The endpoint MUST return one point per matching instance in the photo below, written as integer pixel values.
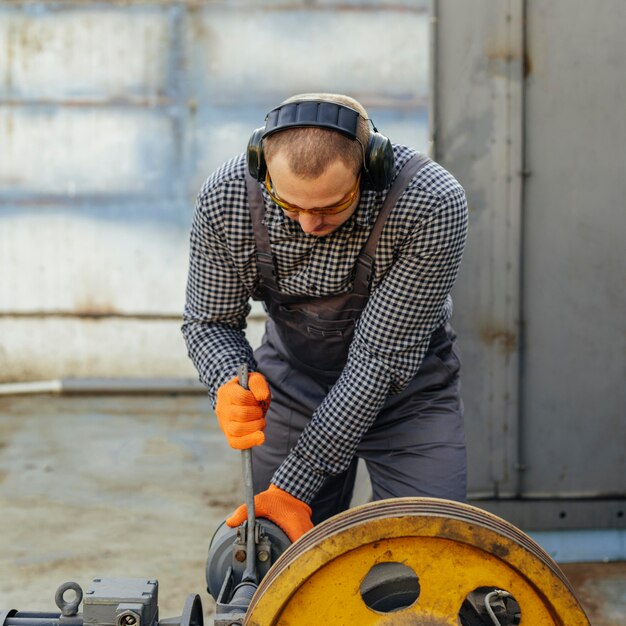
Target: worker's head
(312, 154)
(310, 149)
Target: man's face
(337, 182)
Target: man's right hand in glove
(241, 412)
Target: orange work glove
(241, 412)
(292, 515)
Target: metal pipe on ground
(71, 386)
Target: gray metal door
(529, 103)
(574, 276)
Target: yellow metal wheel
(451, 549)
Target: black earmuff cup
(380, 162)
(255, 157)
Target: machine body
(227, 563)
(108, 602)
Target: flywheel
(414, 561)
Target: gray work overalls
(416, 446)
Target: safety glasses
(345, 203)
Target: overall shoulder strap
(264, 256)
(364, 270)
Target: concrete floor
(134, 486)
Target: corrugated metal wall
(530, 100)
(111, 116)
(113, 113)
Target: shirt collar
(365, 214)
(273, 213)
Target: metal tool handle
(246, 457)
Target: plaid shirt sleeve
(391, 337)
(219, 282)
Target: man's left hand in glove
(290, 514)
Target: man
(353, 244)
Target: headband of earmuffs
(378, 157)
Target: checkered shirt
(417, 261)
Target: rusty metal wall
(529, 100)
(112, 113)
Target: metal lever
(250, 573)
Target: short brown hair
(310, 150)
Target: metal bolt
(240, 556)
(128, 620)
(263, 556)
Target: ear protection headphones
(378, 158)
